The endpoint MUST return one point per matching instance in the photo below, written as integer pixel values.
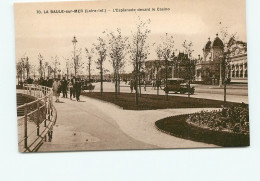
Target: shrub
(232, 119)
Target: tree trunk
(115, 81)
(189, 80)
(139, 82)
(89, 77)
(225, 92)
(118, 84)
(101, 79)
(166, 78)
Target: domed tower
(206, 51)
(217, 48)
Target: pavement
(235, 93)
(96, 125)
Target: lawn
(177, 126)
(151, 102)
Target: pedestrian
(73, 81)
(41, 82)
(56, 87)
(131, 85)
(153, 84)
(70, 86)
(158, 84)
(48, 82)
(29, 80)
(135, 85)
(64, 88)
(78, 89)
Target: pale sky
(52, 34)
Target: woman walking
(71, 89)
(56, 87)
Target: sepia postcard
(131, 75)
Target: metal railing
(39, 116)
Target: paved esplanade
(235, 92)
(96, 125)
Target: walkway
(96, 125)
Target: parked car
(85, 85)
(177, 85)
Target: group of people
(133, 85)
(63, 86)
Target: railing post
(48, 109)
(38, 117)
(25, 126)
(45, 110)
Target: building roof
(218, 42)
(208, 45)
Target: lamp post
(22, 69)
(222, 62)
(220, 72)
(74, 41)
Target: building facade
(180, 67)
(238, 63)
(209, 68)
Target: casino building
(209, 69)
(180, 67)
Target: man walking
(73, 81)
(56, 89)
(131, 85)
(64, 85)
(48, 82)
(78, 89)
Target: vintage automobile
(178, 85)
(85, 85)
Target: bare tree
(228, 40)
(41, 65)
(165, 52)
(101, 52)
(77, 63)
(67, 67)
(19, 70)
(188, 46)
(45, 67)
(89, 54)
(157, 66)
(56, 64)
(27, 66)
(33, 67)
(117, 53)
(139, 51)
